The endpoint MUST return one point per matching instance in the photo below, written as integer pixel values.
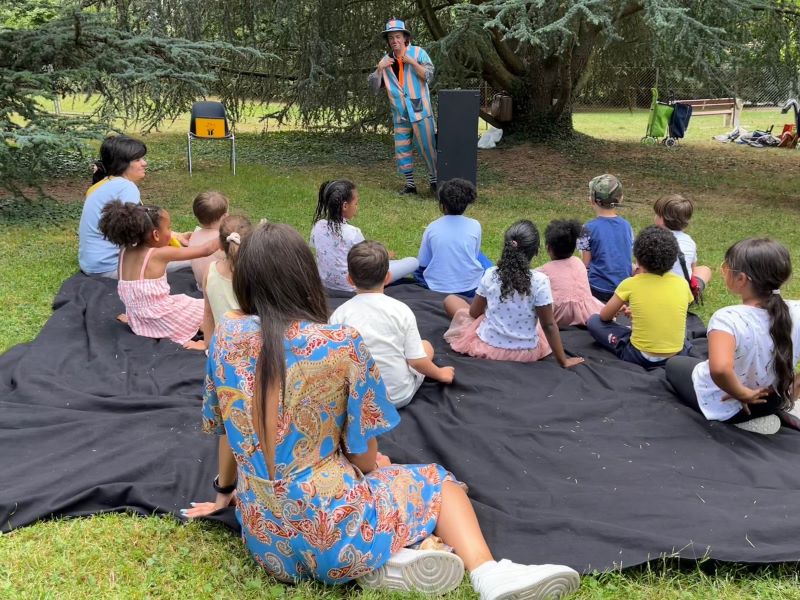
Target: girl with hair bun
(144, 234)
(573, 302)
(753, 348)
(512, 308)
(218, 283)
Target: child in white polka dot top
(512, 308)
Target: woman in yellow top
(657, 301)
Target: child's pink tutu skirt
(463, 338)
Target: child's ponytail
(520, 245)
(98, 171)
(780, 328)
(127, 224)
(768, 266)
(232, 231)
(330, 200)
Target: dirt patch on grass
(714, 174)
(63, 190)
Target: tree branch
(428, 13)
(507, 55)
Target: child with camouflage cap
(607, 240)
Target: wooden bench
(729, 107)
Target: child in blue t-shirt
(607, 240)
(450, 256)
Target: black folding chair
(209, 122)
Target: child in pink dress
(573, 302)
(144, 233)
(511, 316)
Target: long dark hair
(276, 278)
(127, 224)
(767, 265)
(332, 196)
(116, 154)
(521, 244)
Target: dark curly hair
(767, 265)
(561, 236)
(128, 224)
(332, 196)
(455, 195)
(520, 245)
(656, 249)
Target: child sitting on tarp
(503, 321)
(209, 208)
(387, 325)
(144, 234)
(450, 257)
(673, 213)
(753, 347)
(607, 240)
(332, 236)
(218, 291)
(573, 302)
(657, 300)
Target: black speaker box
(457, 142)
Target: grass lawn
(739, 192)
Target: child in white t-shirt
(673, 212)
(503, 321)
(753, 348)
(332, 236)
(388, 326)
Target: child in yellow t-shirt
(657, 299)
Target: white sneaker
(506, 580)
(764, 425)
(430, 571)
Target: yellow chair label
(209, 128)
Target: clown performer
(405, 72)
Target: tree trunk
(542, 100)
(542, 85)
(532, 120)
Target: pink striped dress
(152, 312)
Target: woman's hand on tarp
(203, 509)
(381, 460)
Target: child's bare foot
(195, 345)
(123, 318)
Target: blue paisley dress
(320, 517)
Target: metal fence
(629, 87)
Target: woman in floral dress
(317, 500)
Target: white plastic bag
(490, 138)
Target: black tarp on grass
(596, 467)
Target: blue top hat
(395, 25)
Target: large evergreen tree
(536, 50)
(148, 60)
(49, 49)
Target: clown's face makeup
(397, 42)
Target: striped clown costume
(410, 99)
